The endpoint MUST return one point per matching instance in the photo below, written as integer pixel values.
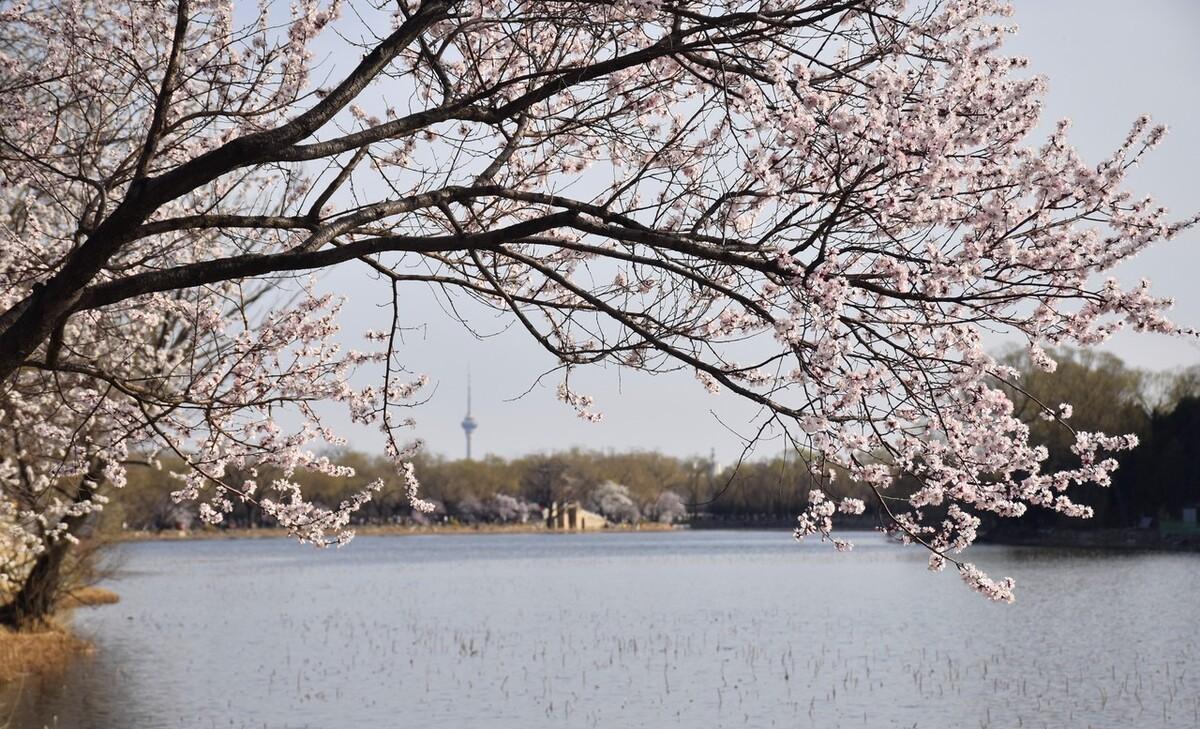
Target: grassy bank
(42, 651)
(381, 530)
(48, 649)
(90, 597)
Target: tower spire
(469, 423)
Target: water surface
(614, 630)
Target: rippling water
(692, 629)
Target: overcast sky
(1107, 62)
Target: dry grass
(37, 652)
(49, 648)
(90, 596)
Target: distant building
(469, 423)
(714, 468)
(570, 516)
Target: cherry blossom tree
(669, 508)
(816, 205)
(613, 502)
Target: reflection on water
(701, 629)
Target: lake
(615, 630)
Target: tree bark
(34, 603)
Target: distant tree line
(1154, 481)
(625, 487)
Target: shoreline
(48, 649)
(379, 530)
(1114, 540)
(1103, 539)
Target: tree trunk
(35, 601)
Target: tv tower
(468, 424)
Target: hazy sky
(1107, 61)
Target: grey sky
(1107, 61)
